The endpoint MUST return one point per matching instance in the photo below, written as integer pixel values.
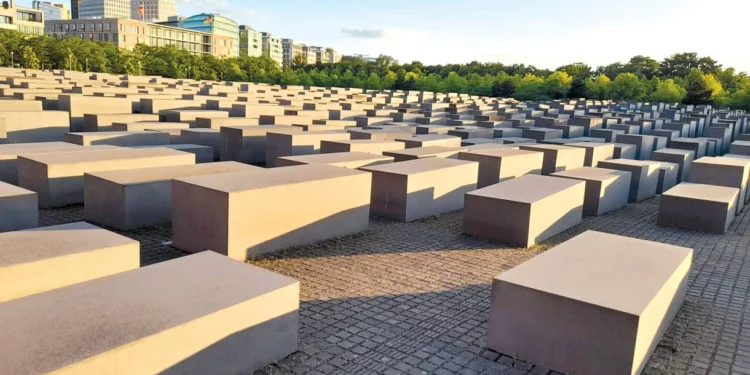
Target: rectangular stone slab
(58, 177)
(19, 208)
(79, 105)
(198, 314)
(534, 209)
(723, 171)
(293, 144)
(351, 160)
(645, 176)
(667, 177)
(247, 144)
(205, 137)
(683, 159)
(139, 198)
(699, 207)
(699, 146)
(38, 260)
(558, 158)
(427, 140)
(425, 152)
(105, 122)
(502, 164)
(35, 126)
(148, 125)
(118, 138)
(203, 154)
(360, 145)
(9, 156)
(246, 214)
(415, 189)
(644, 144)
(605, 314)
(607, 190)
(595, 151)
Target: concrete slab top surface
(501, 152)
(591, 145)
(336, 157)
(703, 192)
(36, 148)
(100, 155)
(527, 188)
(616, 272)
(141, 175)
(673, 151)
(366, 142)
(191, 111)
(261, 178)
(425, 151)
(265, 129)
(417, 166)
(201, 130)
(42, 243)
(153, 123)
(592, 174)
(730, 161)
(630, 162)
(9, 190)
(108, 134)
(690, 140)
(546, 147)
(428, 137)
(741, 143)
(153, 299)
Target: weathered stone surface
(700, 207)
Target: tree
(642, 66)
(29, 58)
(627, 86)
(299, 60)
(578, 89)
(698, 91)
(576, 70)
(504, 89)
(681, 64)
(384, 61)
(558, 84)
(600, 88)
(668, 91)
(530, 87)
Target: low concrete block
(294, 144)
(360, 145)
(558, 158)
(644, 144)
(270, 209)
(425, 152)
(595, 152)
(205, 137)
(351, 160)
(9, 156)
(605, 314)
(148, 125)
(540, 134)
(117, 138)
(607, 190)
(740, 148)
(428, 140)
(39, 260)
(723, 171)
(210, 314)
(19, 208)
(534, 208)
(502, 164)
(698, 146)
(203, 154)
(624, 151)
(706, 208)
(412, 190)
(610, 135)
(668, 173)
(58, 177)
(247, 144)
(683, 159)
(105, 122)
(140, 198)
(645, 176)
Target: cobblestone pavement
(414, 298)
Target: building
(333, 56)
(251, 41)
(215, 24)
(365, 58)
(52, 11)
(153, 10)
(174, 21)
(24, 20)
(127, 33)
(104, 9)
(290, 50)
(74, 9)
(320, 54)
(272, 48)
(309, 55)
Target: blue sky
(544, 33)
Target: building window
(82, 27)
(108, 27)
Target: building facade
(309, 55)
(153, 10)
(215, 24)
(127, 33)
(272, 48)
(251, 42)
(52, 11)
(103, 9)
(290, 50)
(24, 20)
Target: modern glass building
(215, 24)
(52, 11)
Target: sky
(543, 33)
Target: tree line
(680, 78)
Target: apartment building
(272, 48)
(215, 24)
(251, 42)
(290, 50)
(24, 20)
(127, 33)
